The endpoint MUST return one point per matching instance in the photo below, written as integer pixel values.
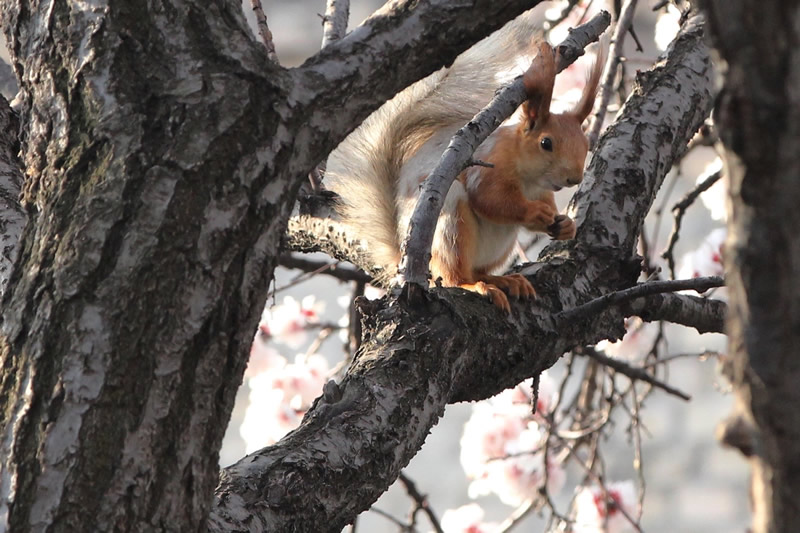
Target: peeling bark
(12, 218)
(759, 124)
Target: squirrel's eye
(547, 144)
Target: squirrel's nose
(574, 181)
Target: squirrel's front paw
(540, 214)
(562, 228)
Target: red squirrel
(378, 169)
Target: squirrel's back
(364, 168)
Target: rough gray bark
(759, 124)
(163, 153)
(12, 218)
(448, 345)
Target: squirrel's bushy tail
(364, 168)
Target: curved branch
(451, 346)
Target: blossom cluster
(281, 392)
(502, 447)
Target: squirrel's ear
(584, 106)
(538, 80)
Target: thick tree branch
(643, 289)
(706, 315)
(452, 346)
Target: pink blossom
(267, 418)
(279, 397)
(466, 519)
(486, 435)
(637, 342)
(598, 513)
(287, 323)
(262, 358)
(502, 445)
(707, 260)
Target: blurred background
(692, 484)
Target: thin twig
(263, 30)
(669, 358)
(421, 501)
(602, 486)
(667, 189)
(679, 209)
(333, 269)
(642, 289)
(614, 56)
(632, 372)
(637, 450)
(516, 516)
(389, 517)
(334, 23)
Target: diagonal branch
(643, 289)
(706, 315)
(679, 209)
(263, 30)
(452, 346)
(334, 24)
(631, 371)
(609, 75)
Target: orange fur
(518, 190)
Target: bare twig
(399, 523)
(263, 30)
(421, 501)
(679, 209)
(334, 24)
(612, 64)
(659, 212)
(637, 450)
(517, 516)
(638, 291)
(333, 269)
(632, 372)
(597, 479)
(414, 265)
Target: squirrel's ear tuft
(584, 106)
(538, 80)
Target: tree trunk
(759, 123)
